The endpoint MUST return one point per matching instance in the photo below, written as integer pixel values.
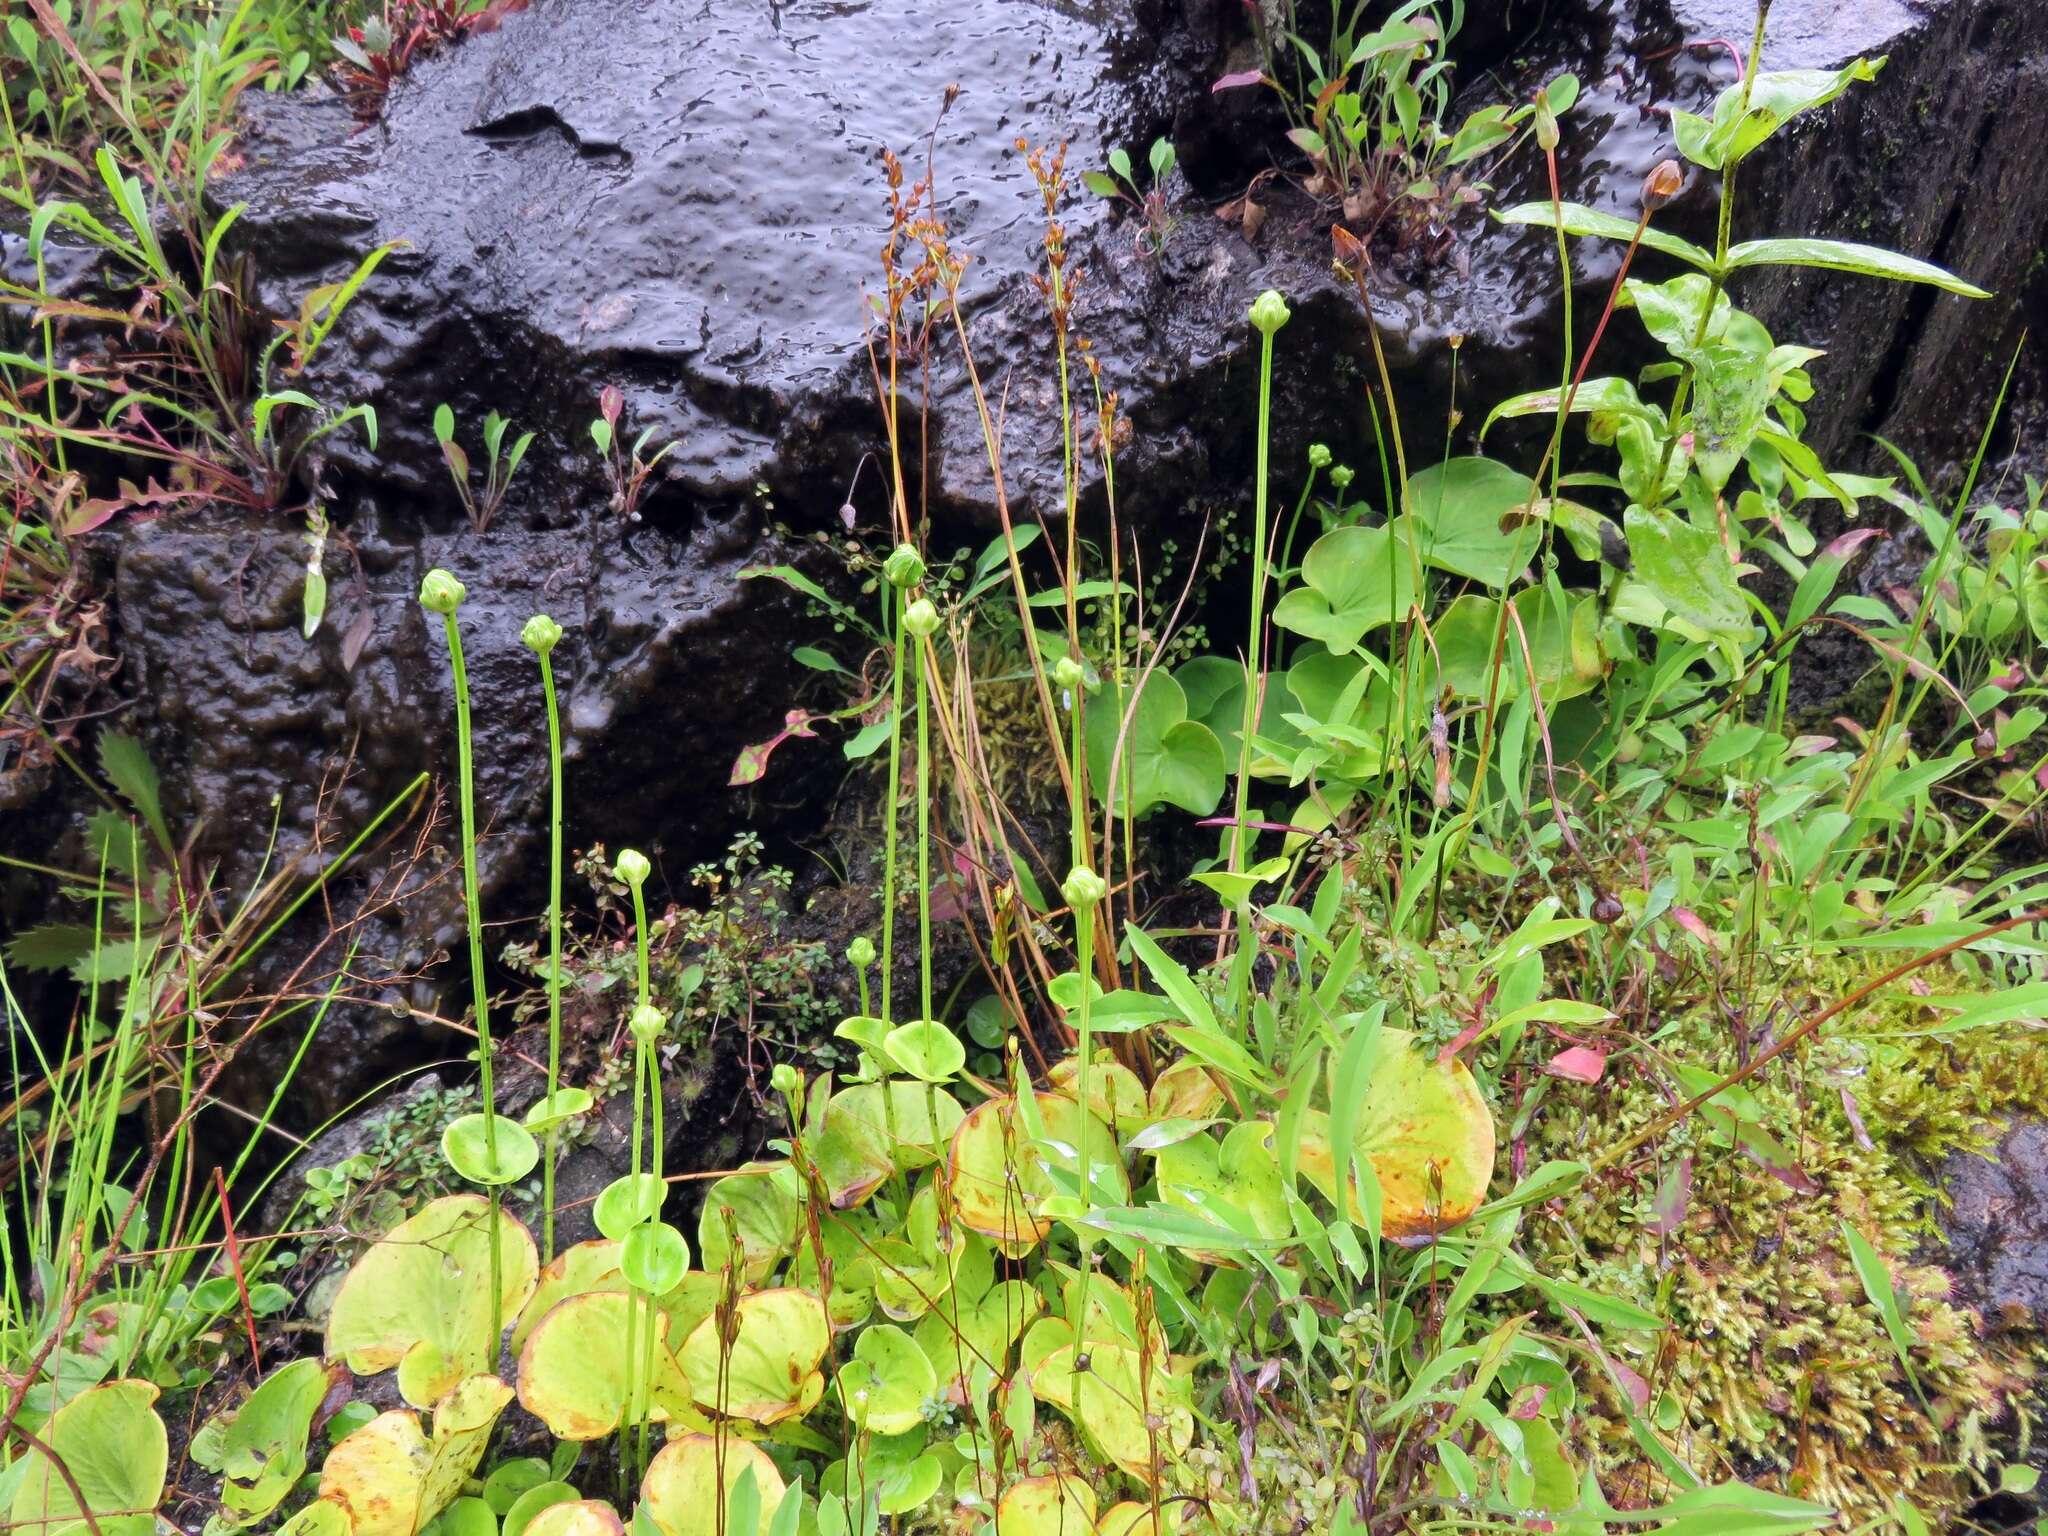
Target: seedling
(481, 505)
(1120, 184)
(626, 469)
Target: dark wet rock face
(1997, 1228)
(686, 201)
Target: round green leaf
(465, 1517)
(1167, 758)
(765, 1217)
(883, 1388)
(466, 1146)
(530, 1503)
(626, 1202)
(925, 1049)
(653, 1257)
(510, 1479)
(771, 1368)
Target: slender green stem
(479, 988)
(889, 830)
(924, 835)
(1252, 650)
(547, 682)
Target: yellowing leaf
(683, 1491)
(1427, 1133)
(578, 1517)
(580, 1366)
(1047, 1506)
(392, 1479)
(427, 1283)
(771, 1373)
(575, 1271)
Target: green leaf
(130, 771)
(1101, 184)
(489, 1149)
(1458, 506)
(1848, 256)
(1577, 219)
(426, 1286)
(262, 1444)
(113, 1445)
(1687, 570)
(53, 947)
(1877, 1285)
(1167, 759)
(1750, 111)
(1354, 580)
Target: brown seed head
(1662, 184)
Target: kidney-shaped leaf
(1458, 506)
(1427, 1133)
(113, 1444)
(580, 1367)
(1353, 581)
(771, 1373)
(426, 1285)
(1167, 758)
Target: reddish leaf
(1578, 1064)
(357, 637)
(1242, 77)
(752, 762)
(1528, 1401)
(1692, 923)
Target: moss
(1776, 1366)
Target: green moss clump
(1776, 1367)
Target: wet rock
(670, 663)
(1997, 1228)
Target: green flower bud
(1318, 455)
(1083, 888)
(921, 618)
(904, 568)
(541, 634)
(1340, 477)
(1269, 312)
(860, 954)
(646, 1022)
(784, 1079)
(1069, 674)
(632, 867)
(441, 592)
